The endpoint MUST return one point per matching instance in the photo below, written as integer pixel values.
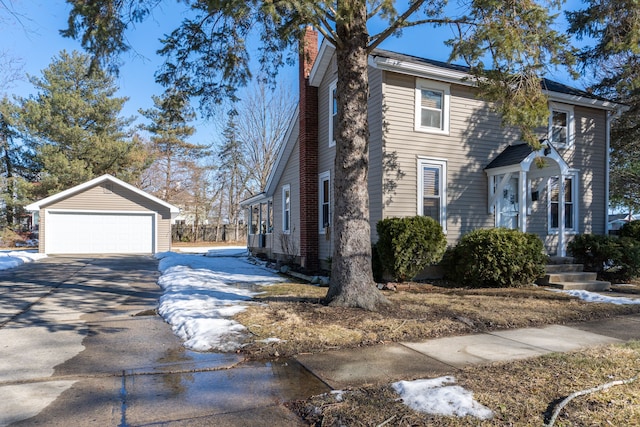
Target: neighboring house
(616, 221)
(103, 215)
(436, 150)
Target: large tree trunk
(351, 283)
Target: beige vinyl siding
(376, 142)
(475, 138)
(326, 154)
(589, 157)
(291, 177)
(106, 197)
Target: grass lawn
(519, 393)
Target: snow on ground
(12, 259)
(596, 297)
(202, 293)
(439, 396)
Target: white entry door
(507, 204)
(99, 233)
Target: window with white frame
(570, 202)
(432, 197)
(432, 106)
(286, 209)
(324, 198)
(333, 113)
(561, 125)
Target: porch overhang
(522, 163)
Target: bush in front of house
(631, 229)
(407, 245)
(613, 258)
(496, 257)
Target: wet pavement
(81, 344)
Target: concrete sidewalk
(432, 358)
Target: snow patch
(13, 259)
(596, 297)
(202, 293)
(439, 396)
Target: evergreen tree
(169, 128)
(614, 57)
(16, 165)
(75, 128)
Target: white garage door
(98, 233)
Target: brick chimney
(308, 145)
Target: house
(103, 216)
(616, 221)
(436, 149)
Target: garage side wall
(109, 197)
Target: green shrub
(407, 245)
(613, 258)
(496, 257)
(631, 229)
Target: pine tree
(74, 125)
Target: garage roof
(36, 206)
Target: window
(561, 125)
(325, 201)
(570, 207)
(432, 197)
(270, 216)
(255, 218)
(263, 218)
(286, 209)
(333, 113)
(432, 107)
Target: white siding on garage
(99, 232)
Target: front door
(507, 204)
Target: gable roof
(512, 155)
(36, 206)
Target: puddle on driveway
(245, 387)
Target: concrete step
(591, 285)
(571, 276)
(562, 268)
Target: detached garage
(103, 216)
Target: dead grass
(522, 393)
(294, 313)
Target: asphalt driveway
(81, 344)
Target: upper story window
(333, 113)
(324, 199)
(432, 190)
(432, 106)
(561, 125)
(286, 209)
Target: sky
(33, 36)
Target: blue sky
(36, 40)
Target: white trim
(332, 87)
(445, 89)
(571, 126)
(322, 177)
(442, 164)
(104, 178)
(286, 188)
